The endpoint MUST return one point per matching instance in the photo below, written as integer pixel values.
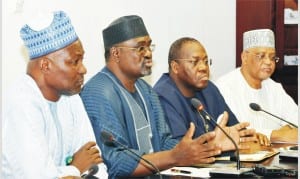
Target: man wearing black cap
(125, 106)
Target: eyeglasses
(140, 49)
(260, 56)
(195, 61)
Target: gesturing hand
(238, 133)
(194, 151)
(86, 156)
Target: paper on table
(216, 165)
(287, 152)
(194, 172)
(284, 142)
(258, 156)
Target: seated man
(251, 83)
(46, 132)
(120, 103)
(188, 78)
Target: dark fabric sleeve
(178, 124)
(103, 105)
(216, 103)
(162, 138)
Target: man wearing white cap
(251, 83)
(46, 130)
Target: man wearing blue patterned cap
(251, 83)
(46, 131)
(122, 104)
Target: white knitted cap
(258, 38)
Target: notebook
(255, 157)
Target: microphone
(256, 107)
(91, 172)
(109, 140)
(204, 115)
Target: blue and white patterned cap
(59, 34)
(258, 38)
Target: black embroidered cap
(122, 29)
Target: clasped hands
(242, 136)
(204, 148)
(285, 134)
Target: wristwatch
(69, 160)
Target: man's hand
(194, 151)
(285, 134)
(238, 133)
(86, 156)
(263, 139)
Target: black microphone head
(93, 170)
(254, 106)
(107, 138)
(196, 104)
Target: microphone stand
(207, 117)
(135, 154)
(109, 140)
(256, 107)
(204, 115)
(280, 118)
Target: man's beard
(146, 70)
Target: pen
(180, 171)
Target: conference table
(287, 163)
